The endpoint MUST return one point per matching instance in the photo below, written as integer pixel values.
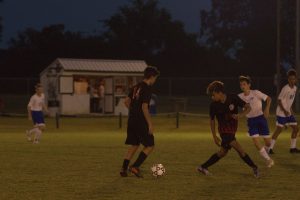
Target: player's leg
(129, 154)
(263, 151)
(245, 157)
(295, 130)
(148, 141)
(225, 147)
(30, 132)
(38, 133)
(280, 123)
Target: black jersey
(224, 111)
(139, 94)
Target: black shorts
(226, 140)
(138, 133)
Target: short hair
(151, 71)
(38, 85)
(291, 72)
(247, 79)
(215, 86)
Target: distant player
(257, 122)
(140, 127)
(35, 108)
(284, 112)
(225, 108)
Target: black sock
(139, 161)
(125, 164)
(212, 160)
(248, 160)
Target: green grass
(82, 159)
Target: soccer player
(257, 122)
(35, 109)
(284, 112)
(225, 109)
(140, 127)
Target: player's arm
(45, 108)
(213, 132)
(29, 112)
(127, 102)
(145, 108)
(286, 112)
(268, 105)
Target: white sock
(38, 134)
(267, 149)
(272, 143)
(32, 130)
(293, 143)
(264, 154)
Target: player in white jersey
(257, 122)
(284, 112)
(35, 109)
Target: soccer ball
(158, 170)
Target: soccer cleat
(123, 173)
(36, 142)
(270, 163)
(203, 170)
(28, 136)
(294, 150)
(136, 171)
(271, 151)
(255, 172)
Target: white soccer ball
(158, 170)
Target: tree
(143, 30)
(245, 31)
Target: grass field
(82, 160)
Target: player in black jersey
(140, 127)
(225, 109)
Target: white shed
(86, 86)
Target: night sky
(82, 15)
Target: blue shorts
(38, 118)
(286, 121)
(258, 126)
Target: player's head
(151, 74)
(38, 88)
(216, 90)
(245, 83)
(292, 77)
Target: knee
(221, 154)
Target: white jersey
(36, 102)
(286, 96)
(255, 99)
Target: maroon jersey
(224, 111)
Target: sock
(267, 149)
(248, 161)
(272, 143)
(264, 154)
(32, 130)
(293, 143)
(212, 160)
(139, 161)
(38, 134)
(125, 164)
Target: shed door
(109, 96)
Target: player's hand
(217, 141)
(266, 114)
(151, 129)
(287, 113)
(235, 116)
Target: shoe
(28, 136)
(271, 151)
(36, 142)
(294, 150)
(255, 172)
(203, 170)
(270, 163)
(123, 173)
(136, 171)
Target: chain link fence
(174, 94)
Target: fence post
(177, 120)
(120, 120)
(57, 120)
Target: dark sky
(82, 15)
